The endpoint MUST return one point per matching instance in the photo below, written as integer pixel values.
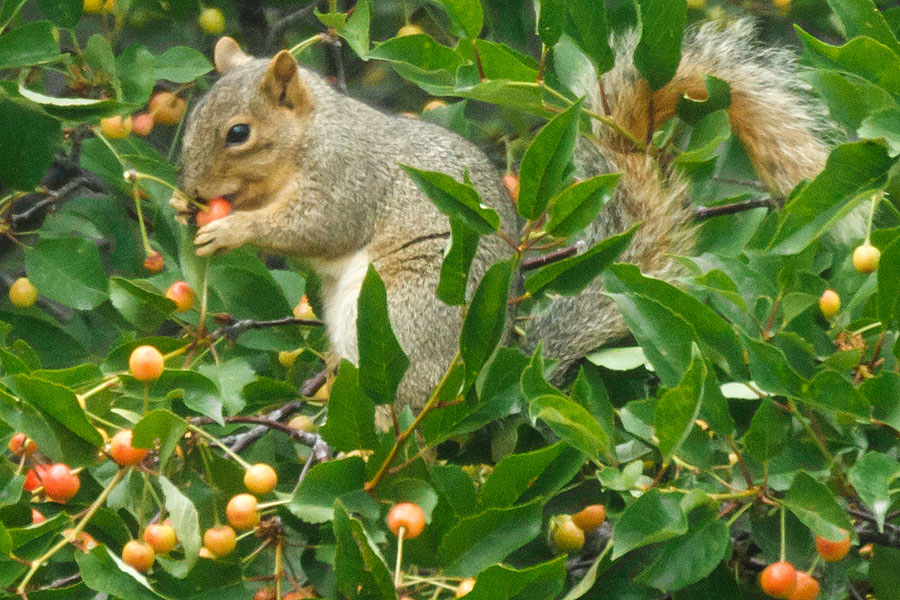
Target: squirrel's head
(240, 134)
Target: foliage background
(696, 468)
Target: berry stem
(783, 549)
(875, 200)
(279, 565)
(108, 382)
(71, 535)
(399, 556)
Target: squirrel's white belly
(342, 280)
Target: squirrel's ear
(282, 85)
(229, 55)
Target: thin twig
(730, 209)
(239, 327)
(281, 25)
(529, 264)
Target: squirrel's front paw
(222, 234)
(182, 205)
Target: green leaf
(231, 377)
(514, 474)
(718, 97)
(832, 392)
(27, 45)
(454, 486)
(815, 506)
(22, 416)
(771, 370)
(691, 557)
(862, 18)
(139, 302)
(60, 403)
(98, 54)
(889, 284)
(571, 275)
(578, 205)
(571, 422)
(63, 13)
(136, 69)
(658, 52)
(332, 20)
(588, 27)
(551, 21)
(652, 518)
(163, 425)
(852, 172)
(678, 409)
(872, 477)
(8, 10)
(351, 414)
(313, 501)
(186, 522)
(181, 64)
(382, 362)
(101, 571)
(539, 582)
(884, 574)
(767, 435)
(455, 199)
(710, 330)
(486, 319)
(198, 392)
(359, 568)
(29, 139)
(883, 125)
(476, 542)
(546, 162)
(356, 32)
(422, 61)
(882, 392)
(457, 263)
(466, 15)
(68, 270)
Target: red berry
(34, 477)
(138, 555)
(146, 363)
(409, 516)
(264, 593)
(37, 517)
(218, 208)
(60, 484)
(123, 452)
(511, 182)
(19, 444)
(779, 580)
(143, 124)
(832, 551)
(167, 108)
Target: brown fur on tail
(784, 132)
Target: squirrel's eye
(238, 134)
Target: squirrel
(313, 174)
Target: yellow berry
(211, 21)
(409, 29)
(22, 293)
(830, 303)
(866, 257)
(116, 127)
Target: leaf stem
(218, 443)
(783, 545)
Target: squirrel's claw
(182, 206)
(218, 235)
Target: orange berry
(219, 540)
(37, 517)
(182, 295)
(241, 511)
(830, 303)
(465, 586)
(832, 551)
(167, 108)
(146, 363)
(161, 537)
(304, 309)
(260, 479)
(591, 517)
(116, 127)
(409, 516)
(34, 477)
(138, 555)
(779, 580)
(433, 104)
(122, 452)
(807, 587)
(60, 484)
(154, 262)
(511, 181)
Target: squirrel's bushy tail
(784, 132)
